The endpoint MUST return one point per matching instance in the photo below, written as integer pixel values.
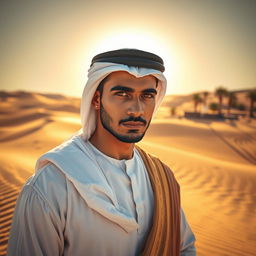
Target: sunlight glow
(136, 39)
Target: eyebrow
(128, 89)
(150, 90)
(121, 88)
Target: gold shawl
(164, 236)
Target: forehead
(126, 79)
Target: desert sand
(214, 162)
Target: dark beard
(106, 120)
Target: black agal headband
(131, 57)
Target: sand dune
(219, 200)
(214, 163)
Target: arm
(36, 229)
(187, 238)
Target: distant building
(209, 116)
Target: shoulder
(46, 177)
(50, 184)
(164, 165)
(150, 159)
(145, 156)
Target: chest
(88, 230)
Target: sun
(132, 38)
(129, 39)
(136, 39)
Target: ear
(96, 100)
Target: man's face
(127, 104)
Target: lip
(131, 124)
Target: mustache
(133, 119)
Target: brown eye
(148, 96)
(122, 94)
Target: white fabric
(91, 178)
(82, 202)
(96, 74)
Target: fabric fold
(164, 237)
(95, 190)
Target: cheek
(113, 110)
(150, 108)
(112, 103)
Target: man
(97, 193)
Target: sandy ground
(214, 162)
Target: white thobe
(102, 206)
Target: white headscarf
(96, 74)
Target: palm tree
(213, 106)
(197, 99)
(173, 111)
(221, 92)
(205, 94)
(231, 100)
(252, 96)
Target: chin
(130, 139)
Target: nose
(136, 108)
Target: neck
(111, 146)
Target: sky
(47, 46)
